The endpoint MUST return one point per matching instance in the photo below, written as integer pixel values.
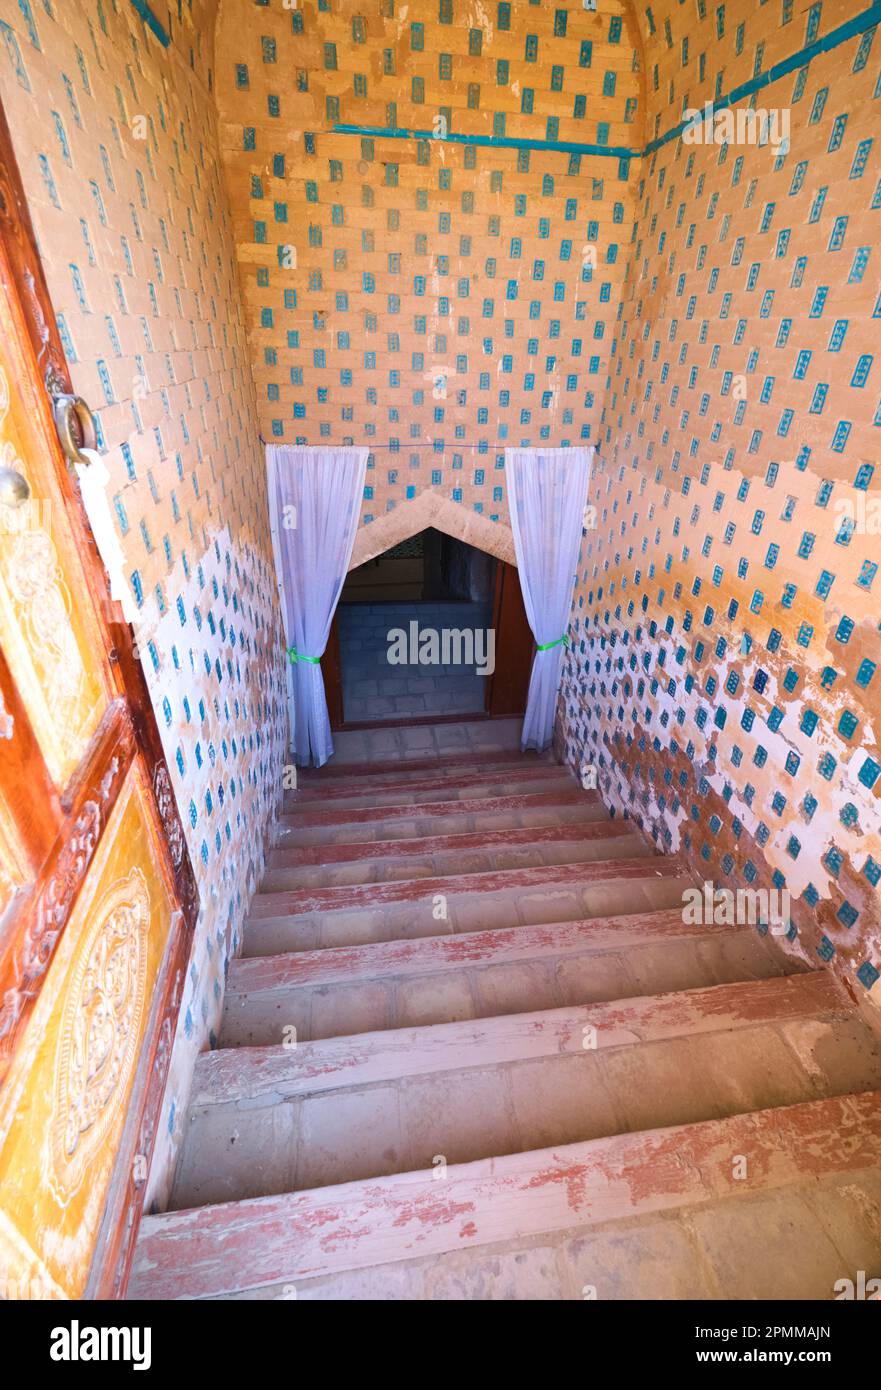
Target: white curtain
(547, 494)
(314, 504)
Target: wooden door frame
(332, 675)
(331, 668)
(332, 671)
(504, 574)
(127, 733)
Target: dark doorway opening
(432, 629)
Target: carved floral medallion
(101, 1024)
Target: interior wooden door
(515, 646)
(97, 893)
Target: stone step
(254, 1076)
(472, 1049)
(372, 773)
(408, 742)
(465, 785)
(308, 918)
(267, 1120)
(569, 798)
(479, 852)
(445, 818)
(753, 1196)
(439, 979)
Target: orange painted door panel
(97, 894)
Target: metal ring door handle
(66, 410)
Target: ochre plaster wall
(116, 137)
(726, 619)
(432, 300)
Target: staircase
(472, 1051)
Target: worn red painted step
(223, 1250)
(429, 955)
(375, 895)
(284, 858)
(469, 1041)
(497, 767)
(408, 810)
(250, 1075)
(415, 825)
(436, 860)
(274, 1120)
(376, 770)
(483, 973)
(411, 786)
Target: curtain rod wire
(415, 448)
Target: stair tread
(230, 1075)
(297, 903)
(470, 1041)
(414, 827)
(321, 855)
(479, 758)
(235, 1246)
(469, 854)
(413, 785)
(404, 742)
(412, 810)
(430, 954)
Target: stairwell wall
(116, 138)
(415, 281)
(724, 678)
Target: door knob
(14, 489)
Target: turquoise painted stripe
(849, 30)
(152, 22)
(503, 142)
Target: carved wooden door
(97, 894)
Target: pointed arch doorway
(428, 566)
